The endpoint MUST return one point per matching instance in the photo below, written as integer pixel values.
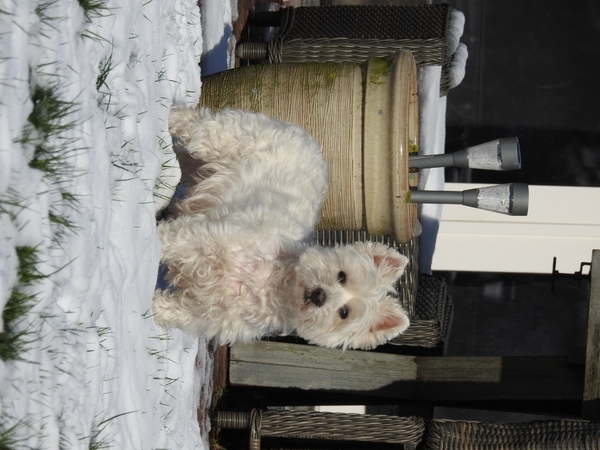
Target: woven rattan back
(554, 434)
(354, 33)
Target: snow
(94, 370)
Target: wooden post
(591, 393)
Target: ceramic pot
(364, 116)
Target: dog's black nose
(318, 297)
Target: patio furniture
(551, 434)
(354, 33)
(313, 425)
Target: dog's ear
(391, 320)
(389, 262)
(391, 265)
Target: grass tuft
(13, 340)
(8, 205)
(51, 161)
(49, 111)
(93, 9)
(27, 272)
(105, 67)
(9, 438)
(12, 345)
(47, 123)
(49, 118)
(63, 227)
(96, 441)
(42, 11)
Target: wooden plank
(276, 364)
(297, 355)
(484, 369)
(269, 375)
(591, 392)
(401, 377)
(535, 378)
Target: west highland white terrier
(237, 247)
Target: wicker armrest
(325, 425)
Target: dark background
(533, 72)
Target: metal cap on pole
(500, 154)
(511, 199)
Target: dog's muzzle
(315, 296)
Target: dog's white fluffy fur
(237, 248)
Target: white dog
(237, 248)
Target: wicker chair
(314, 425)
(430, 324)
(354, 33)
(554, 434)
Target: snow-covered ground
(85, 91)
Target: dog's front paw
(181, 121)
(162, 308)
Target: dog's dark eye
(343, 312)
(341, 277)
